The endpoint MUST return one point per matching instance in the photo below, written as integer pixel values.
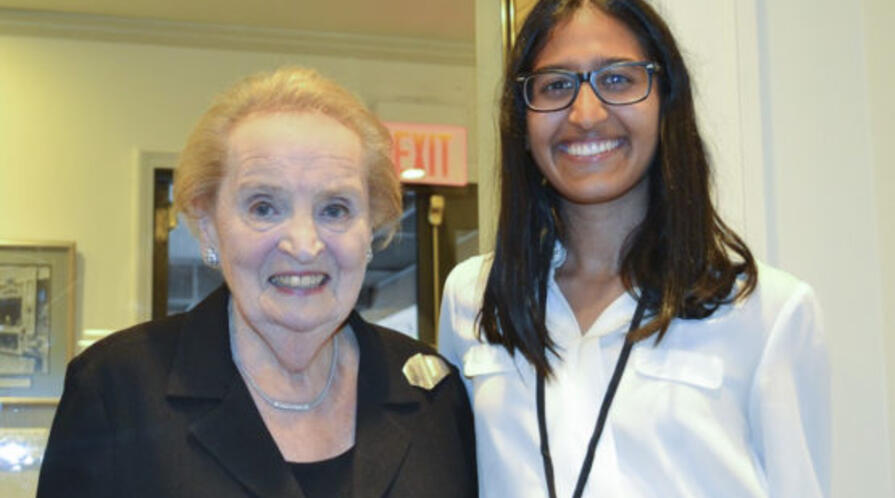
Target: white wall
(879, 17)
(74, 114)
(796, 108)
(718, 41)
(823, 217)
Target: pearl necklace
(287, 405)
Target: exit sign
(429, 154)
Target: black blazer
(160, 410)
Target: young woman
(621, 341)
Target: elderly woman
(272, 386)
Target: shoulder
(151, 346)
(465, 284)
(397, 369)
(780, 303)
(388, 352)
(471, 272)
(408, 359)
(778, 285)
(399, 345)
(153, 342)
(461, 302)
(780, 306)
(780, 293)
(791, 309)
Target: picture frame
(37, 310)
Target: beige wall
(75, 114)
(879, 17)
(825, 222)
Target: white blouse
(735, 405)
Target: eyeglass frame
(589, 76)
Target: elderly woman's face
(292, 221)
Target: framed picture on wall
(37, 302)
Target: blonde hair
(288, 89)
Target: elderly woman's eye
(335, 211)
(261, 209)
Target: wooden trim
(146, 163)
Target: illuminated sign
(429, 154)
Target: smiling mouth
(590, 148)
(298, 282)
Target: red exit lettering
(429, 152)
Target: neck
(596, 233)
(287, 365)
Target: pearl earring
(369, 255)
(210, 257)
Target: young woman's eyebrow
(600, 64)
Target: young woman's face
(292, 221)
(592, 152)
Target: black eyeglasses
(621, 83)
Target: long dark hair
(678, 260)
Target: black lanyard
(601, 418)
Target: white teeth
(591, 148)
(297, 281)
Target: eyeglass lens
(620, 84)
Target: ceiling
(449, 20)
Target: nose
(301, 240)
(587, 110)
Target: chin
(313, 319)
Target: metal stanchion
(436, 216)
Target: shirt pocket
(696, 369)
(485, 359)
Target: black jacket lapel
(232, 431)
(381, 442)
(381, 446)
(235, 434)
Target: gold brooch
(425, 370)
